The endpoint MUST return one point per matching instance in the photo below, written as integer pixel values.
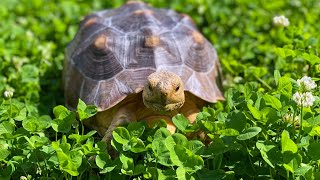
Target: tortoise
(137, 62)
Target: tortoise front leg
(152, 120)
(124, 115)
(190, 111)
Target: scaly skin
(162, 98)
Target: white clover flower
(29, 35)
(8, 94)
(305, 99)
(288, 117)
(237, 79)
(39, 171)
(306, 83)
(23, 178)
(281, 21)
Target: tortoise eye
(150, 88)
(177, 88)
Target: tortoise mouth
(163, 107)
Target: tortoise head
(163, 91)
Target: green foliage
(64, 119)
(85, 111)
(259, 132)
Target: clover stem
(264, 83)
(293, 122)
(300, 123)
(77, 129)
(271, 177)
(264, 135)
(25, 173)
(207, 163)
(65, 176)
(220, 160)
(46, 167)
(251, 163)
(82, 128)
(10, 107)
(156, 167)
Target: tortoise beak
(173, 106)
(163, 107)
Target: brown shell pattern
(116, 50)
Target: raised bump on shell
(100, 41)
(141, 12)
(197, 37)
(90, 21)
(152, 41)
(134, 2)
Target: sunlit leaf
(287, 144)
(180, 122)
(249, 133)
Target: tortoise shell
(115, 51)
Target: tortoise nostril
(164, 93)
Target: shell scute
(72, 94)
(139, 55)
(98, 64)
(197, 52)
